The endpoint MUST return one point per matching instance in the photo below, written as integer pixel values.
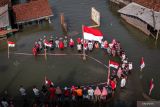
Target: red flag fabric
(92, 34)
(48, 82)
(113, 64)
(151, 86)
(142, 64)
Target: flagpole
(45, 53)
(45, 80)
(84, 54)
(108, 73)
(8, 52)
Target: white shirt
(130, 66)
(79, 47)
(91, 92)
(123, 82)
(90, 45)
(22, 91)
(36, 91)
(123, 56)
(57, 42)
(4, 103)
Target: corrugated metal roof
(4, 16)
(143, 13)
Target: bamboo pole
(108, 73)
(45, 53)
(84, 54)
(157, 37)
(8, 52)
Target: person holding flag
(10, 44)
(48, 82)
(151, 86)
(114, 65)
(142, 64)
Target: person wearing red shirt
(78, 40)
(113, 85)
(61, 45)
(71, 43)
(52, 91)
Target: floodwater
(68, 70)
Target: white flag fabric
(92, 34)
(142, 63)
(47, 44)
(11, 44)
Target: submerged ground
(68, 70)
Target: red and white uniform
(79, 41)
(71, 43)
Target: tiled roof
(4, 2)
(152, 4)
(32, 10)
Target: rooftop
(4, 16)
(143, 13)
(32, 11)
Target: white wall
(137, 23)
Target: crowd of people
(53, 95)
(62, 43)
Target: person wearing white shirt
(79, 47)
(91, 93)
(4, 103)
(22, 91)
(123, 82)
(36, 91)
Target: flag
(46, 43)
(142, 64)
(48, 82)
(11, 44)
(113, 64)
(151, 86)
(92, 34)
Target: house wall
(136, 23)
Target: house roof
(4, 2)
(4, 16)
(143, 13)
(32, 11)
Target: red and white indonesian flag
(11, 44)
(47, 44)
(48, 82)
(151, 86)
(142, 63)
(113, 64)
(92, 34)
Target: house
(33, 11)
(143, 18)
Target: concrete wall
(136, 23)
